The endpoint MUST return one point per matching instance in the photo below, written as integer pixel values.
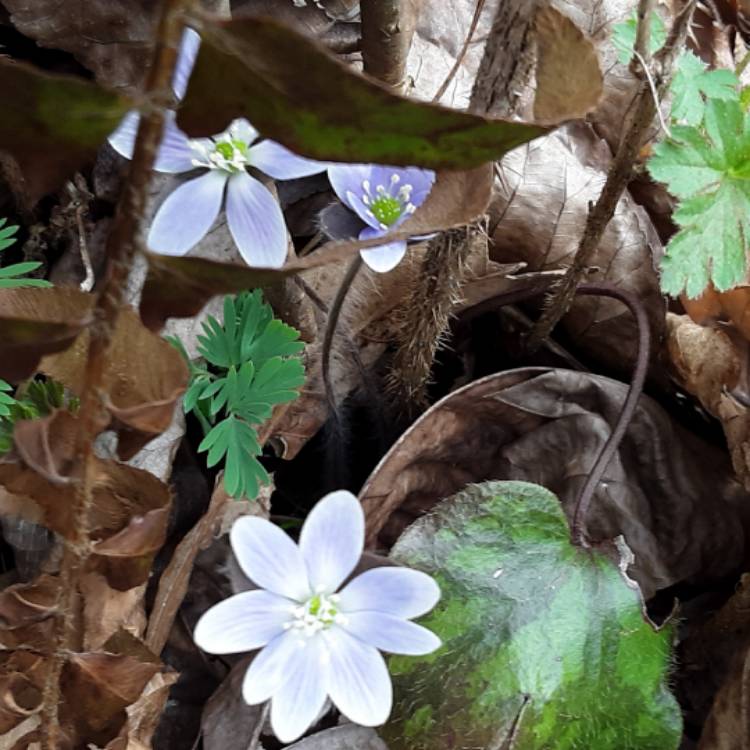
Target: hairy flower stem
(121, 247)
(619, 174)
(421, 321)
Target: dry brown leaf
(143, 379)
(568, 78)
(547, 426)
(107, 611)
(35, 322)
(26, 614)
(144, 714)
(97, 688)
(22, 675)
(711, 363)
(538, 215)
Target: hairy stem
(387, 30)
(121, 247)
(618, 177)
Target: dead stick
(618, 177)
(387, 31)
(121, 247)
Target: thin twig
(618, 177)
(387, 30)
(121, 246)
(88, 282)
(462, 54)
(255, 739)
(334, 312)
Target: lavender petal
(332, 539)
(243, 622)
(347, 182)
(187, 214)
(392, 634)
(358, 680)
(280, 163)
(270, 558)
(401, 592)
(188, 53)
(256, 222)
(382, 258)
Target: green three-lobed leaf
(710, 172)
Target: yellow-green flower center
(318, 613)
(387, 209)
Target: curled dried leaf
(143, 379)
(35, 322)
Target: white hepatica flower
(317, 640)
(255, 219)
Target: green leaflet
(251, 364)
(709, 170)
(692, 82)
(543, 642)
(9, 276)
(623, 36)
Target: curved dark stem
(628, 408)
(602, 289)
(334, 312)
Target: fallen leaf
(347, 737)
(56, 124)
(144, 376)
(711, 364)
(538, 215)
(27, 612)
(35, 322)
(568, 78)
(547, 426)
(501, 554)
(97, 688)
(356, 120)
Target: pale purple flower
(318, 641)
(383, 197)
(254, 216)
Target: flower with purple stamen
(318, 640)
(254, 216)
(383, 197)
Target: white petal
(187, 214)
(358, 680)
(299, 699)
(332, 539)
(395, 591)
(270, 558)
(382, 258)
(174, 155)
(256, 222)
(389, 633)
(243, 622)
(242, 130)
(189, 46)
(269, 668)
(281, 163)
(123, 139)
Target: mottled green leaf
(53, 124)
(294, 91)
(545, 646)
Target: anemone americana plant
(317, 639)
(383, 197)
